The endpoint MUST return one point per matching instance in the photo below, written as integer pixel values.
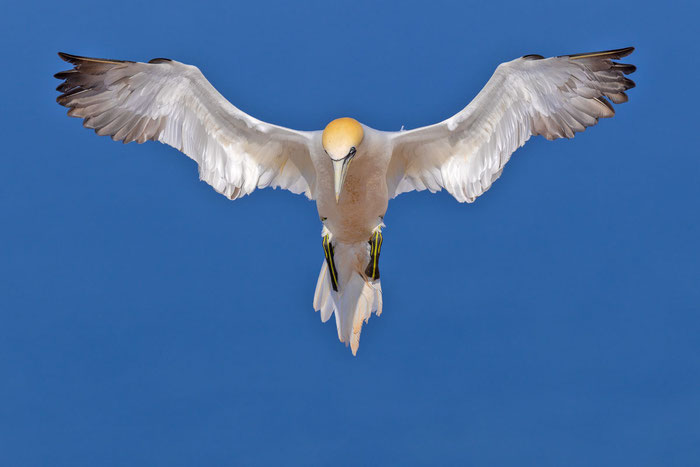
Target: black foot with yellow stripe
(375, 246)
(328, 251)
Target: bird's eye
(352, 151)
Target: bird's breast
(363, 199)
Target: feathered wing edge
(167, 101)
(555, 97)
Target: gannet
(348, 168)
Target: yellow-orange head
(340, 136)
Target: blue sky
(147, 320)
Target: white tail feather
(323, 300)
(357, 297)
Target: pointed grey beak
(340, 171)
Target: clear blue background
(147, 320)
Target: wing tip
(66, 57)
(62, 75)
(611, 110)
(626, 68)
(77, 59)
(614, 54)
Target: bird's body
(349, 169)
(364, 199)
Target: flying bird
(349, 169)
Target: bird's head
(341, 138)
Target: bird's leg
(375, 247)
(328, 251)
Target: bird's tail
(358, 295)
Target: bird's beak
(340, 171)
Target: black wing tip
(626, 51)
(62, 74)
(77, 59)
(623, 52)
(81, 63)
(70, 58)
(614, 54)
(626, 68)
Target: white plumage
(351, 170)
(173, 103)
(553, 97)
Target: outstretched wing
(553, 97)
(168, 101)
